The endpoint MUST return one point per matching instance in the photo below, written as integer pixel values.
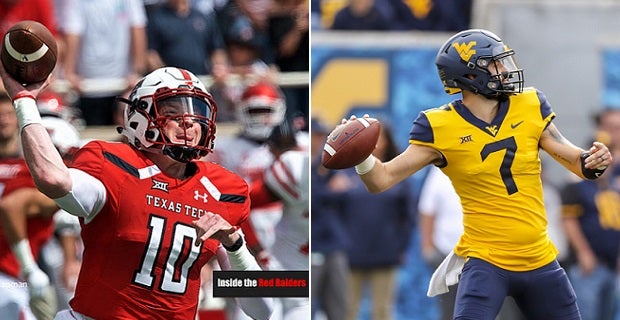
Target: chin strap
(182, 153)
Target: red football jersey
(14, 174)
(139, 260)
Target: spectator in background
(441, 226)
(330, 267)
(315, 15)
(431, 15)
(288, 30)
(360, 15)
(553, 207)
(105, 41)
(245, 49)
(208, 6)
(427, 15)
(373, 264)
(591, 219)
(250, 16)
(181, 36)
(256, 10)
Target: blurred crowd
(395, 15)
(360, 242)
(105, 47)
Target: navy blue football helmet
(478, 61)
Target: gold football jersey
(495, 168)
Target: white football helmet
(260, 109)
(52, 104)
(143, 125)
(64, 135)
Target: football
(351, 143)
(29, 52)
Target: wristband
(242, 259)
(366, 165)
(26, 110)
(23, 253)
(590, 174)
(235, 246)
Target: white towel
(446, 274)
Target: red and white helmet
(143, 125)
(52, 104)
(260, 109)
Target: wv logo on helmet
(465, 50)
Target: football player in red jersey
(26, 217)
(23, 285)
(151, 215)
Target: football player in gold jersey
(488, 143)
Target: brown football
(351, 143)
(29, 52)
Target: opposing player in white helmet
(287, 180)
(261, 108)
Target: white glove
(42, 296)
(38, 281)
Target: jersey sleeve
(546, 112)
(90, 159)
(89, 192)
(421, 130)
(235, 196)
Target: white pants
(14, 298)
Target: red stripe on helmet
(187, 76)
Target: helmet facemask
(194, 116)
(477, 60)
(505, 78)
(170, 110)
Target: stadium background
(570, 50)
